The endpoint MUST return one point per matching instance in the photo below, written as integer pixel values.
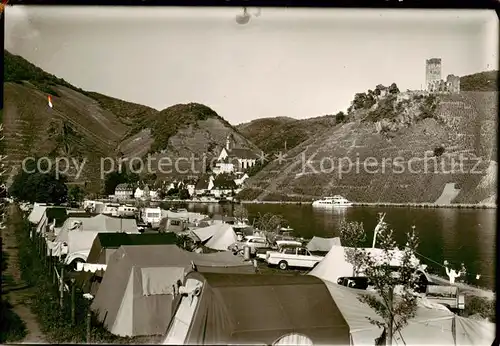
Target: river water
(457, 235)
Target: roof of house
(124, 186)
(203, 182)
(223, 181)
(242, 153)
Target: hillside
(483, 81)
(91, 125)
(189, 135)
(271, 134)
(449, 127)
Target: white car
(293, 257)
(253, 242)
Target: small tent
(257, 309)
(223, 238)
(105, 244)
(322, 244)
(136, 292)
(205, 233)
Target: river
(457, 235)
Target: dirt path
(17, 292)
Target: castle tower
(453, 83)
(432, 72)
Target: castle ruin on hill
(433, 81)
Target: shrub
(481, 306)
(438, 151)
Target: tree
(359, 101)
(75, 194)
(240, 213)
(39, 187)
(352, 235)
(394, 307)
(184, 194)
(393, 89)
(269, 222)
(112, 180)
(161, 194)
(340, 117)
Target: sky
(299, 63)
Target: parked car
(276, 247)
(293, 257)
(253, 242)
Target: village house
(241, 179)
(224, 185)
(232, 160)
(204, 185)
(144, 192)
(124, 191)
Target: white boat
(335, 201)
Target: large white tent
(433, 324)
(335, 263)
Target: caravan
(151, 216)
(127, 210)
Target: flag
(50, 101)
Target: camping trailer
(151, 216)
(126, 210)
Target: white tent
(474, 333)
(43, 222)
(433, 324)
(322, 244)
(37, 213)
(335, 264)
(223, 238)
(205, 233)
(78, 233)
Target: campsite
(107, 281)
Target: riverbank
(388, 204)
(354, 204)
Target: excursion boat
(335, 201)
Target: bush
(428, 107)
(385, 110)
